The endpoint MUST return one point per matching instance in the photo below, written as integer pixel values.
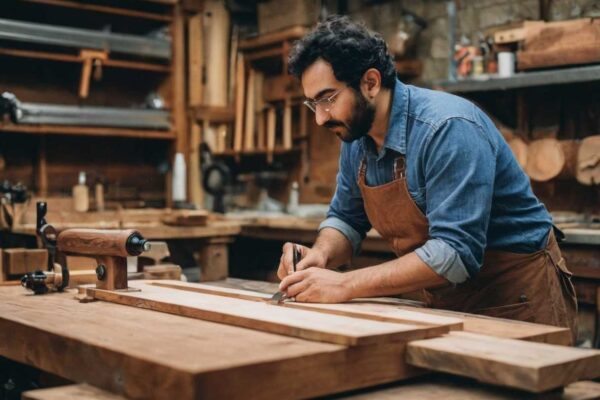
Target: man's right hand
(309, 258)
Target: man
(432, 174)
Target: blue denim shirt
(460, 172)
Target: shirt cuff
(443, 260)
(349, 232)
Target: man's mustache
(334, 124)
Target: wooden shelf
(42, 55)
(561, 76)
(256, 152)
(274, 38)
(88, 131)
(106, 9)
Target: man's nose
(321, 116)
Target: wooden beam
(534, 367)
(249, 130)
(264, 316)
(240, 82)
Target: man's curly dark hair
(349, 47)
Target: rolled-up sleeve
(459, 167)
(346, 211)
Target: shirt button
(523, 298)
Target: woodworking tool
(30, 32)
(279, 297)
(57, 114)
(12, 202)
(110, 249)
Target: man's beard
(363, 116)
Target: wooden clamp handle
(95, 242)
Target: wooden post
(249, 132)
(239, 104)
(270, 133)
(195, 175)
(287, 124)
(214, 259)
(196, 55)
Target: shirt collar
(395, 138)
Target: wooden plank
(88, 131)
(287, 124)
(506, 328)
(42, 55)
(195, 173)
(372, 309)
(534, 367)
(105, 9)
(434, 387)
(143, 354)
(70, 392)
(270, 133)
(264, 316)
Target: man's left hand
(317, 285)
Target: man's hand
(317, 285)
(309, 258)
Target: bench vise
(110, 249)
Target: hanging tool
(280, 297)
(110, 249)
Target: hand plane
(110, 249)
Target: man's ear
(370, 83)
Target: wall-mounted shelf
(257, 152)
(106, 9)
(88, 131)
(43, 55)
(523, 80)
(32, 32)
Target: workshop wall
(474, 17)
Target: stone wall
(473, 17)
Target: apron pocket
(519, 311)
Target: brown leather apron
(532, 287)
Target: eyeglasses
(325, 103)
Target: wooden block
(162, 271)
(265, 317)
(370, 309)
(70, 392)
(21, 261)
(534, 367)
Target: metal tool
(280, 297)
(110, 249)
(57, 114)
(32, 32)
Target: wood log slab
(534, 367)
(545, 159)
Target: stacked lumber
(549, 44)
(434, 342)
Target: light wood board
(266, 317)
(534, 367)
(361, 308)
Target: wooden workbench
(139, 353)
